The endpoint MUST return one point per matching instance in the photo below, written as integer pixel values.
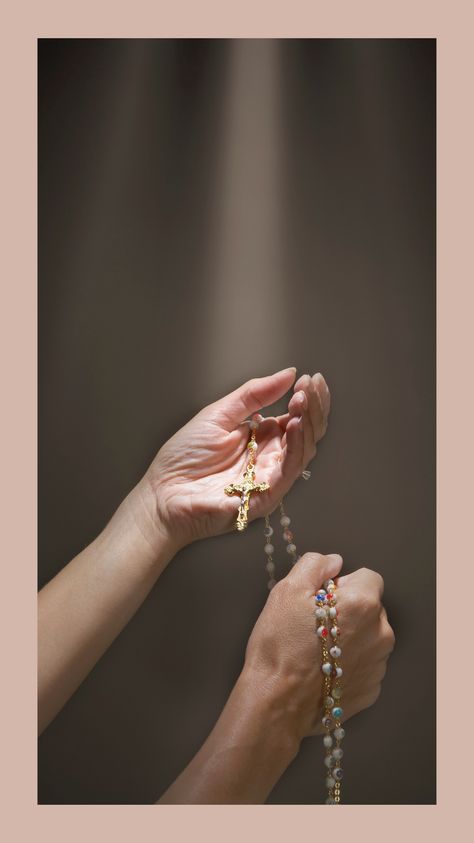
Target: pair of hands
(182, 499)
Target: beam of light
(246, 326)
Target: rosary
(326, 627)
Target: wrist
(134, 527)
(246, 753)
(267, 701)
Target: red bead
(324, 633)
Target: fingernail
(288, 369)
(301, 397)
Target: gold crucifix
(247, 487)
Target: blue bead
(320, 597)
(337, 712)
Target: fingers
(313, 569)
(319, 402)
(293, 456)
(250, 397)
(369, 581)
(299, 405)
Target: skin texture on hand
(283, 643)
(277, 700)
(182, 494)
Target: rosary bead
(329, 761)
(338, 753)
(337, 773)
(287, 535)
(253, 424)
(321, 613)
(328, 702)
(339, 733)
(332, 612)
(334, 631)
(252, 446)
(327, 668)
(327, 741)
(322, 631)
(270, 566)
(330, 782)
(285, 521)
(291, 548)
(335, 652)
(337, 712)
(269, 549)
(268, 531)
(321, 591)
(327, 722)
(337, 693)
(338, 672)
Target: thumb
(312, 569)
(253, 395)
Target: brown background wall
(210, 211)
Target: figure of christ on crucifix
(245, 489)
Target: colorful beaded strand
(328, 632)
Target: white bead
(270, 584)
(285, 521)
(332, 612)
(330, 782)
(337, 693)
(328, 583)
(339, 733)
(338, 672)
(329, 761)
(269, 549)
(338, 753)
(253, 425)
(321, 613)
(328, 702)
(335, 652)
(337, 773)
(321, 591)
(268, 531)
(327, 668)
(320, 630)
(327, 741)
(270, 566)
(334, 631)
(291, 548)
(252, 445)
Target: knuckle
(279, 590)
(250, 390)
(376, 693)
(369, 603)
(389, 637)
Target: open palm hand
(188, 476)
